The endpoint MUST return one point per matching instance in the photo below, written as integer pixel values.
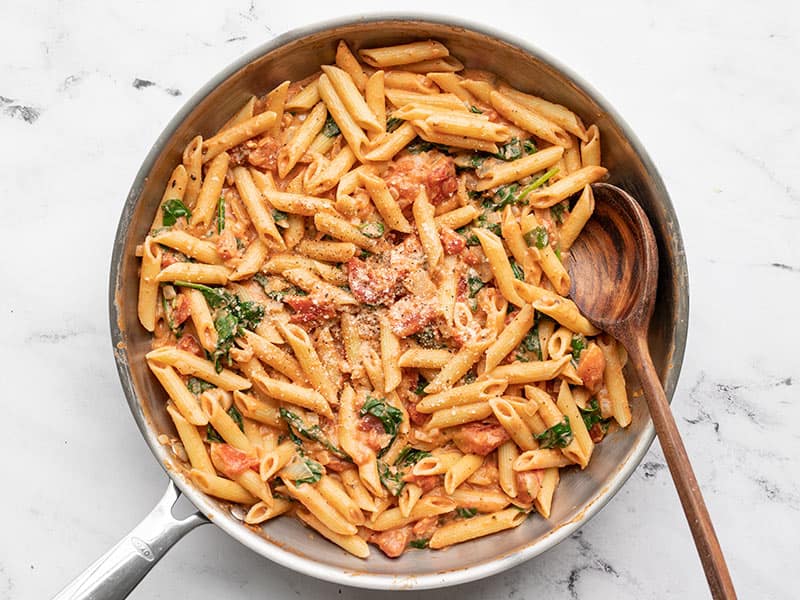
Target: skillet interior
(580, 494)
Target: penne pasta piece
(309, 496)
(356, 490)
(337, 497)
(468, 125)
(295, 394)
(462, 530)
(274, 356)
(180, 395)
(201, 319)
(530, 372)
(352, 132)
(341, 230)
(148, 284)
(252, 261)
(581, 447)
(427, 132)
(241, 115)
(461, 362)
(306, 280)
(386, 146)
(276, 102)
(501, 173)
(309, 360)
(352, 99)
(333, 173)
(529, 120)
(479, 391)
(337, 252)
(590, 147)
(298, 204)
(457, 218)
(260, 512)
(387, 206)
(513, 424)
(193, 163)
(305, 99)
(351, 543)
(376, 100)
(578, 216)
(403, 54)
(510, 337)
(458, 415)
(423, 212)
(400, 98)
(202, 250)
(507, 455)
(498, 261)
(221, 488)
(541, 459)
(424, 358)
(390, 349)
(346, 61)
(460, 471)
(412, 82)
(485, 500)
(291, 152)
(428, 506)
(258, 409)
(235, 135)
(190, 364)
(194, 273)
(192, 442)
(259, 214)
(445, 64)
(210, 190)
(544, 498)
(565, 312)
(556, 113)
(451, 83)
(562, 189)
(614, 382)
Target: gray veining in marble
(711, 88)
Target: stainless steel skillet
(580, 495)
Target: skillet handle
(118, 571)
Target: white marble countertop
(711, 89)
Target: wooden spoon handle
(719, 579)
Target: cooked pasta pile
(358, 303)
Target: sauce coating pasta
(357, 295)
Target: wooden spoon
(614, 272)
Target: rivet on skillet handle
(118, 571)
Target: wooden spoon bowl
(614, 273)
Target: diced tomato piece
(416, 417)
(424, 528)
(392, 542)
(426, 482)
(411, 314)
(231, 461)
(189, 343)
(169, 258)
(591, 366)
(265, 154)
(452, 242)
(181, 310)
(480, 438)
(371, 283)
(442, 182)
(374, 434)
(308, 310)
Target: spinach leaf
(314, 471)
(474, 285)
(557, 211)
(330, 129)
(428, 338)
(220, 214)
(393, 123)
(531, 342)
(529, 147)
(537, 183)
(198, 386)
(537, 237)
(279, 215)
(592, 416)
(233, 316)
(422, 383)
(313, 433)
(212, 435)
(420, 543)
(558, 436)
(372, 230)
(466, 513)
(390, 478)
(502, 197)
(578, 345)
(172, 209)
(410, 456)
(475, 110)
(517, 270)
(511, 150)
(390, 416)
